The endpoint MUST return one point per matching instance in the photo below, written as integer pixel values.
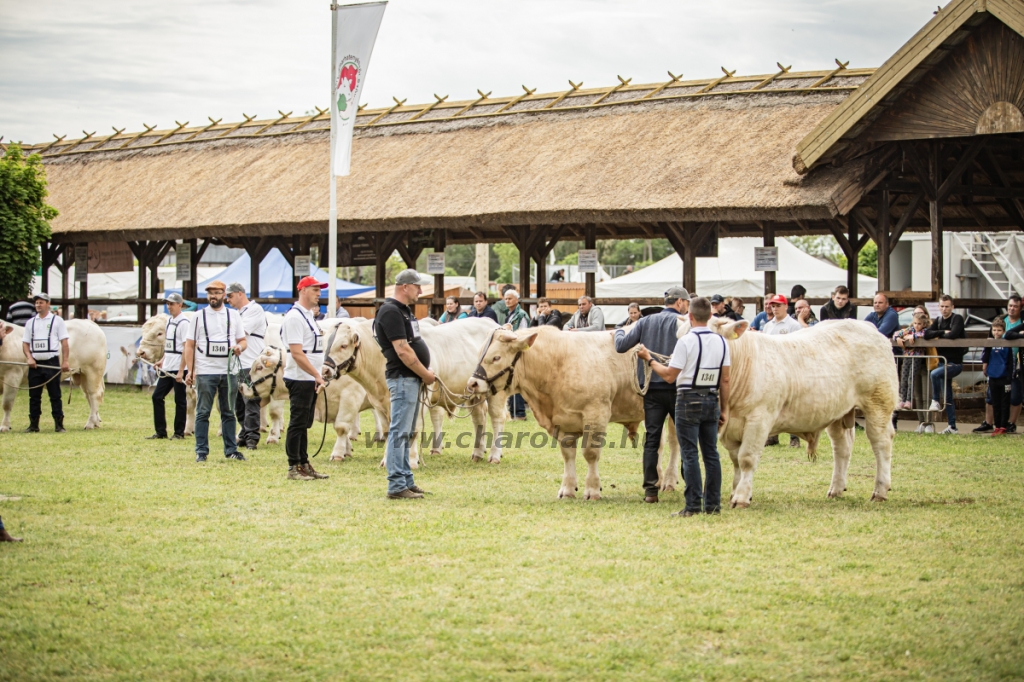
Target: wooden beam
(921, 169)
(908, 214)
(882, 240)
(935, 217)
(440, 241)
(943, 191)
(590, 242)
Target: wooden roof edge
(566, 100)
(817, 144)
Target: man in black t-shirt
(397, 332)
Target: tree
(24, 223)
(867, 260)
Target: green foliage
(24, 222)
(867, 261)
(508, 256)
(821, 245)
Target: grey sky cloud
(67, 66)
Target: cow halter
(272, 376)
(344, 367)
(480, 374)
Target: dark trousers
(517, 406)
(301, 399)
(1000, 390)
(659, 403)
(164, 386)
(247, 412)
(697, 423)
(43, 371)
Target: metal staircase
(995, 255)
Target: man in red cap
(306, 341)
(779, 322)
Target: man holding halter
(305, 341)
(215, 334)
(172, 377)
(254, 319)
(46, 336)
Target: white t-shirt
(300, 326)
(214, 341)
(44, 334)
(713, 352)
(174, 342)
(254, 320)
(788, 325)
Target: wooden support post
(440, 239)
(590, 242)
(935, 218)
(154, 278)
(66, 260)
(140, 255)
(82, 307)
(255, 260)
(193, 285)
(853, 260)
(381, 255)
(768, 231)
(689, 262)
(884, 248)
(524, 267)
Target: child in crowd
(909, 369)
(997, 364)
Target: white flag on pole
(355, 30)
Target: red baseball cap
(311, 282)
(779, 298)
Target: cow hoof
(337, 458)
(833, 495)
(878, 498)
(273, 441)
(476, 458)
(435, 452)
(741, 504)
(566, 496)
(494, 460)
(383, 463)
(667, 487)
(592, 496)
(4, 429)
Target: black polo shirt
(394, 322)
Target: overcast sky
(90, 64)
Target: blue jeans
(404, 406)
(697, 422)
(207, 386)
(950, 371)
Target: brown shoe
(406, 494)
(421, 491)
(308, 469)
(297, 473)
(6, 537)
(686, 513)
(651, 499)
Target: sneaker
(310, 471)
(1011, 428)
(920, 428)
(949, 431)
(238, 456)
(985, 427)
(934, 406)
(200, 458)
(406, 494)
(296, 473)
(929, 428)
(998, 432)
(156, 436)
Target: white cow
(805, 383)
(345, 399)
(453, 351)
(576, 384)
(87, 348)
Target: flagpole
(332, 219)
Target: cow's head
(341, 356)
(266, 373)
(151, 346)
(729, 329)
(497, 361)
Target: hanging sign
(435, 263)
(587, 261)
(301, 266)
(183, 262)
(82, 263)
(766, 258)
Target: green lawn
(140, 564)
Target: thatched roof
(677, 151)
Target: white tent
(731, 274)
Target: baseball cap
(309, 281)
(174, 298)
(717, 298)
(41, 295)
(779, 298)
(675, 293)
(216, 284)
(236, 288)
(409, 276)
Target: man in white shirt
(216, 333)
(45, 345)
(780, 322)
(306, 343)
(254, 320)
(700, 368)
(173, 372)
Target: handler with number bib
(305, 341)
(700, 368)
(46, 336)
(173, 377)
(215, 334)
(254, 319)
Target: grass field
(140, 564)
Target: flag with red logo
(355, 31)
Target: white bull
(345, 399)
(453, 351)
(87, 347)
(805, 383)
(576, 384)
(151, 349)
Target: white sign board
(435, 263)
(301, 266)
(587, 261)
(933, 309)
(183, 262)
(766, 258)
(82, 263)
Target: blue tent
(275, 280)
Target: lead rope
(323, 438)
(642, 390)
(57, 374)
